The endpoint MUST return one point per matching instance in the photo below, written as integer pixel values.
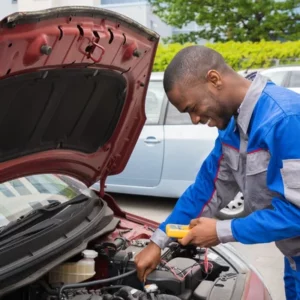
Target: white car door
(186, 147)
(279, 77)
(294, 81)
(145, 164)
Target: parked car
(73, 84)
(169, 151)
(286, 76)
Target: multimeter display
(177, 231)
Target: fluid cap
(89, 254)
(151, 288)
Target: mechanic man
(257, 152)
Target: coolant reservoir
(74, 272)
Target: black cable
(48, 289)
(95, 282)
(113, 287)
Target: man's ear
(214, 78)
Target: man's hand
(203, 233)
(147, 260)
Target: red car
(73, 82)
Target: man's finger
(187, 239)
(140, 273)
(147, 272)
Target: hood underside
(73, 82)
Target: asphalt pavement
(264, 257)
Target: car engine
(184, 273)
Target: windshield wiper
(36, 229)
(57, 205)
(40, 213)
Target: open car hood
(73, 82)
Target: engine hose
(166, 297)
(95, 282)
(112, 287)
(126, 294)
(47, 288)
(117, 298)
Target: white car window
(276, 76)
(154, 100)
(294, 81)
(174, 117)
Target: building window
(5, 191)
(20, 187)
(154, 102)
(174, 117)
(151, 24)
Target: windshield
(22, 195)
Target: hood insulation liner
(72, 109)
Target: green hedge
(239, 55)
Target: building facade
(139, 10)
(11, 6)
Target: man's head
(198, 81)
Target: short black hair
(192, 63)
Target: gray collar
(250, 100)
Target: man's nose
(195, 119)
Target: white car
(286, 76)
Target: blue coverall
(259, 155)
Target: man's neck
(240, 89)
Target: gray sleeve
(290, 173)
(160, 238)
(224, 231)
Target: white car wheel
(234, 209)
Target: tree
(238, 20)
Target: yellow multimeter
(177, 231)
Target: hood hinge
(109, 167)
(102, 186)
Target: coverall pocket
(257, 162)
(224, 173)
(231, 157)
(258, 193)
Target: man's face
(203, 102)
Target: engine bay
(106, 271)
